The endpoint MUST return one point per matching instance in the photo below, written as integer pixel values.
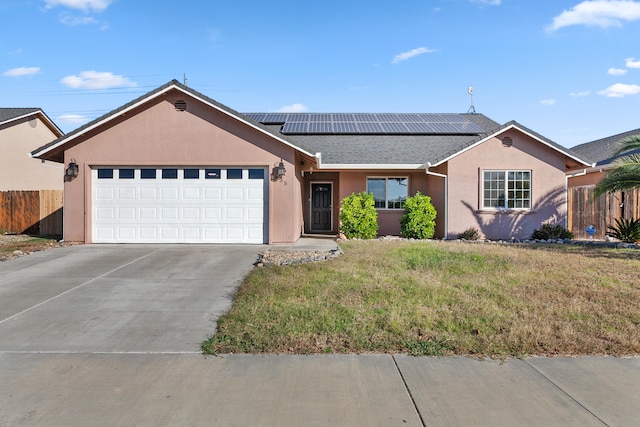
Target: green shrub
(550, 231)
(358, 216)
(626, 230)
(419, 219)
(470, 233)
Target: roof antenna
(184, 79)
(472, 109)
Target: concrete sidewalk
(108, 389)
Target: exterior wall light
(281, 170)
(72, 169)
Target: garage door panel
(179, 209)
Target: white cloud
(96, 80)
(548, 102)
(578, 94)
(598, 13)
(293, 108)
(85, 5)
(632, 63)
(74, 119)
(489, 2)
(75, 20)
(22, 71)
(410, 54)
(620, 90)
(616, 71)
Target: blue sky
(569, 70)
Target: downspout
(566, 193)
(446, 198)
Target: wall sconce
(72, 169)
(281, 170)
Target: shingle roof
(603, 151)
(8, 114)
(407, 150)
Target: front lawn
(441, 298)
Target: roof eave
(48, 122)
(154, 95)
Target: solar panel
(365, 117)
(343, 117)
(420, 128)
(321, 127)
(394, 127)
(370, 123)
(295, 127)
(369, 127)
(320, 118)
(345, 127)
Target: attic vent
(507, 141)
(180, 105)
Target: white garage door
(179, 205)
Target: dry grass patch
(441, 298)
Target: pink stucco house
(177, 166)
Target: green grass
(441, 298)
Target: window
(169, 173)
(125, 173)
(389, 193)
(234, 173)
(212, 174)
(148, 173)
(192, 174)
(256, 173)
(506, 189)
(105, 173)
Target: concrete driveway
(119, 298)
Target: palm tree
(626, 174)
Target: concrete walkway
(97, 335)
(126, 389)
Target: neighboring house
(30, 189)
(584, 208)
(22, 130)
(176, 166)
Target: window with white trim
(388, 193)
(510, 189)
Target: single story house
(584, 208)
(22, 130)
(176, 166)
(30, 189)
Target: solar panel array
(369, 123)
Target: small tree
(358, 216)
(419, 219)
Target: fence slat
(585, 210)
(31, 212)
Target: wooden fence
(38, 213)
(585, 209)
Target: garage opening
(179, 205)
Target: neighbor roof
(8, 115)
(603, 151)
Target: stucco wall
(548, 191)
(18, 170)
(591, 178)
(158, 135)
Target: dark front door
(321, 207)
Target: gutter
(446, 198)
